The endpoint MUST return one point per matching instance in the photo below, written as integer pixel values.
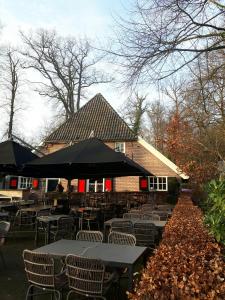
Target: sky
(91, 18)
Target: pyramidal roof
(97, 119)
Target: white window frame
(120, 147)
(24, 183)
(156, 181)
(95, 191)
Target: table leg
(104, 233)
(36, 232)
(130, 278)
(48, 233)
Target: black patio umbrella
(90, 158)
(13, 156)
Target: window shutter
(143, 183)
(81, 185)
(13, 183)
(35, 183)
(108, 185)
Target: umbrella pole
(68, 190)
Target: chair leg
(68, 295)
(2, 258)
(30, 289)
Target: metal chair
(87, 277)
(162, 214)
(88, 219)
(24, 218)
(132, 215)
(89, 235)
(121, 238)
(42, 274)
(122, 226)
(63, 229)
(4, 228)
(150, 216)
(145, 234)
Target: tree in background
(133, 111)
(157, 117)
(67, 66)
(160, 37)
(10, 82)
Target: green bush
(214, 208)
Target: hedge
(188, 264)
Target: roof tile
(95, 116)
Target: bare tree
(157, 116)
(67, 67)
(160, 37)
(11, 68)
(133, 110)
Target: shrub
(215, 209)
(188, 264)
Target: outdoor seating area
(59, 244)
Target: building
(98, 119)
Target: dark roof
(96, 118)
(12, 153)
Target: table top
(157, 223)
(109, 253)
(82, 209)
(36, 208)
(50, 218)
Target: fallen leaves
(188, 264)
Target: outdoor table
(47, 220)
(22, 202)
(6, 204)
(158, 224)
(113, 255)
(36, 208)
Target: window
(158, 183)
(96, 185)
(51, 184)
(25, 183)
(120, 147)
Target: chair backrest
(162, 214)
(43, 212)
(121, 238)
(65, 224)
(165, 207)
(122, 226)
(89, 235)
(85, 275)
(145, 234)
(39, 268)
(132, 215)
(151, 217)
(4, 228)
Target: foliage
(215, 209)
(188, 155)
(188, 265)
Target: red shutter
(108, 184)
(13, 183)
(35, 183)
(143, 183)
(81, 185)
